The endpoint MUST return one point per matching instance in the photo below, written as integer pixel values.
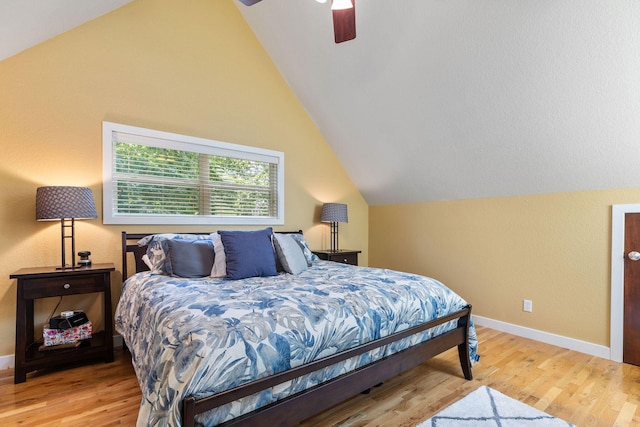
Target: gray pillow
(189, 258)
(310, 256)
(290, 254)
(156, 254)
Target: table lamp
(334, 213)
(66, 204)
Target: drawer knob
(66, 286)
(344, 260)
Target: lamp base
(334, 237)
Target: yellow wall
(552, 249)
(195, 68)
(191, 67)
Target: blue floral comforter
(199, 337)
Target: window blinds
(154, 176)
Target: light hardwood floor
(585, 390)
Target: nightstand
(344, 256)
(45, 282)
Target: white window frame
(184, 143)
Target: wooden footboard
(312, 401)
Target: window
(154, 177)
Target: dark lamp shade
(334, 212)
(64, 203)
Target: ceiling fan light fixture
(341, 4)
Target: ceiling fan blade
(249, 2)
(344, 23)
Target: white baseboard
(545, 337)
(9, 361)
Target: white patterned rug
(486, 407)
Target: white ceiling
(442, 100)
(25, 23)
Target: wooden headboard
(138, 252)
(130, 245)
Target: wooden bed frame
(307, 403)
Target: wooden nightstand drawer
(59, 286)
(343, 256)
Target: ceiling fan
(344, 18)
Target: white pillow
(290, 254)
(220, 260)
(147, 261)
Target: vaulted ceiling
(25, 23)
(444, 99)
(452, 99)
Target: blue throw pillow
(248, 253)
(189, 258)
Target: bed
(272, 349)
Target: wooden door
(631, 343)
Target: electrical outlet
(527, 306)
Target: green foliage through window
(153, 177)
